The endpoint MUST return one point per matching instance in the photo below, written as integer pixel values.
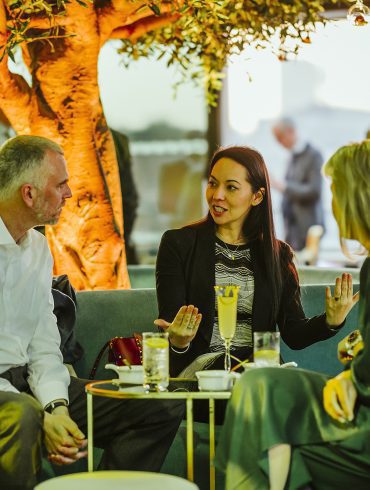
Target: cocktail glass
(227, 301)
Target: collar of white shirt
(7, 239)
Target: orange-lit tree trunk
(64, 104)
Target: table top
(114, 389)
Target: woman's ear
(258, 196)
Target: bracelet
(180, 351)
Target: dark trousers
(21, 421)
(135, 434)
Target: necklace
(231, 253)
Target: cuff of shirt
(53, 390)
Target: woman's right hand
(183, 328)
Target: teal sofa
(143, 276)
(102, 315)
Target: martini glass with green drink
(227, 301)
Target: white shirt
(28, 329)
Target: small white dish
(216, 380)
(133, 375)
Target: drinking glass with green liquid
(227, 302)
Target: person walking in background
(302, 188)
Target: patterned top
(234, 266)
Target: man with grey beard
(38, 398)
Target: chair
(117, 480)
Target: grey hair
(285, 123)
(20, 159)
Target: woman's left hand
(339, 305)
(340, 397)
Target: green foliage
(200, 41)
(19, 15)
(209, 31)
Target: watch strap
(50, 407)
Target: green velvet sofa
(143, 276)
(102, 315)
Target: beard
(44, 215)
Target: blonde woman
(295, 429)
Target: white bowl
(133, 375)
(216, 380)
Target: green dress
(272, 406)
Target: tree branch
(15, 92)
(121, 15)
(138, 29)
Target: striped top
(234, 266)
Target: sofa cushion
(322, 356)
(102, 315)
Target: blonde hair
(349, 169)
(21, 158)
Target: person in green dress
(296, 429)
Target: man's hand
(340, 397)
(184, 327)
(63, 439)
(339, 305)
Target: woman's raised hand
(183, 328)
(340, 397)
(339, 305)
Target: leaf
(11, 55)
(155, 9)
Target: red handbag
(120, 348)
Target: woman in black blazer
(236, 244)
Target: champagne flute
(227, 300)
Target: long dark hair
(259, 224)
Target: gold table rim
(93, 389)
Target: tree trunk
(88, 240)
(63, 104)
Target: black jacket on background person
(185, 274)
(301, 205)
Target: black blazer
(185, 274)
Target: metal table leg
(212, 473)
(189, 439)
(90, 429)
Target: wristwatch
(50, 407)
